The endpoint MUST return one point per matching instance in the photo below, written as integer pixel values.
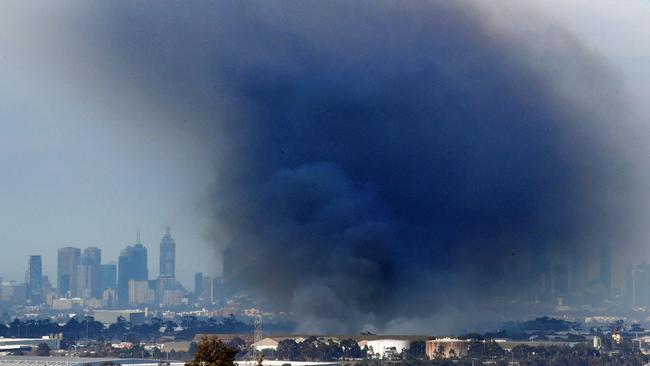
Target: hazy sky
(82, 164)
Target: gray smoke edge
(386, 165)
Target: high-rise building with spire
(167, 255)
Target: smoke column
(386, 165)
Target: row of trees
(88, 328)
(315, 349)
(213, 352)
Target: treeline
(315, 349)
(88, 328)
(541, 325)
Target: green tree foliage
(350, 349)
(86, 327)
(288, 349)
(417, 350)
(314, 349)
(237, 343)
(43, 350)
(546, 324)
(485, 350)
(211, 351)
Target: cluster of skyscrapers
(83, 274)
(568, 281)
(83, 277)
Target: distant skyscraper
(163, 284)
(93, 259)
(579, 270)
(208, 289)
(132, 266)
(198, 284)
(167, 255)
(35, 280)
(539, 273)
(605, 269)
(93, 255)
(560, 281)
(637, 291)
(140, 293)
(83, 279)
(109, 276)
(88, 273)
(66, 278)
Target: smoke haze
(391, 166)
(387, 164)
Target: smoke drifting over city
(389, 165)
(393, 164)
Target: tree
(211, 351)
(484, 350)
(237, 343)
(351, 349)
(417, 350)
(288, 349)
(71, 329)
(43, 350)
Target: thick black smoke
(384, 162)
(389, 161)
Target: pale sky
(82, 166)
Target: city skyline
(84, 279)
(53, 272)
(185, 272)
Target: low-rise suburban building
(447, 348)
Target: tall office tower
(198, 285)
(560, 281)
(66, 277)
(35, 280)
(637, 291)
(540, 277)
(627, 286)
(579, 270)
(167, 255)
(93, 259)
(123, 275)
(605, 269)
(162, 285)
(140, 293)
(83, 278)
(47, 287)
(132, 265)
(208, 289)
(109, 276)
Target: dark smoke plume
(382, 163)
